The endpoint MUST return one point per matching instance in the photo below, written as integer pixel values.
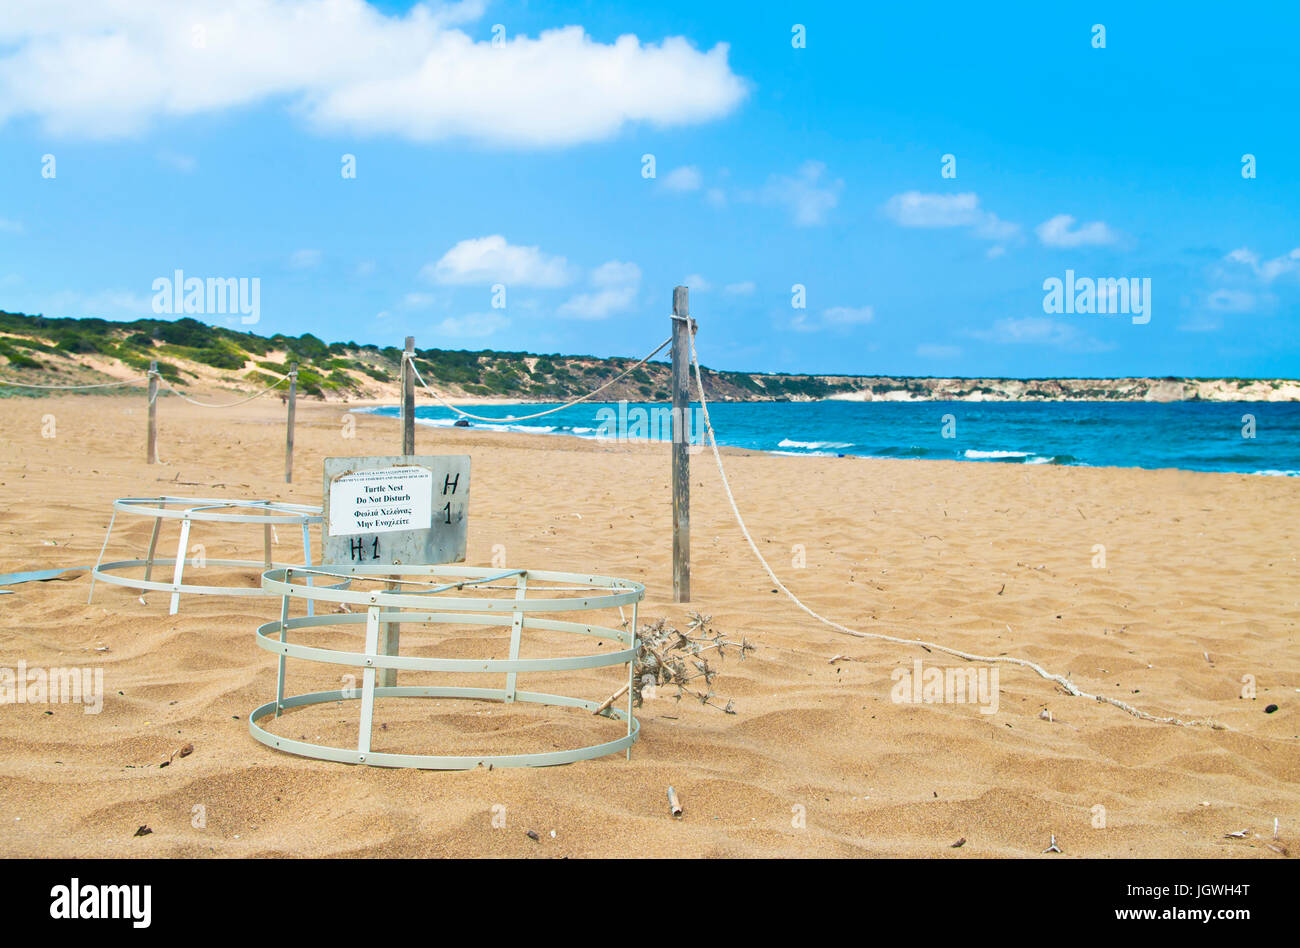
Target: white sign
(383, 501)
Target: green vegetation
(189, 349)
(16, 358)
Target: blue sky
(189, 137)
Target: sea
(1260, 438)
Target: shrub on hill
(187, 332)
(18, 359)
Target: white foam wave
(485, 426)
(813, 445)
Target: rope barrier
(1061, 680)
(143, 378)
(1065, 683)
(194, 401)
(663, 345)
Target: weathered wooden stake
(681, 443)
(152, 450)
(390, 632)
(293, 404)
(408, 399)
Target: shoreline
(972, 456)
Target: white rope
(1061, 680)
(194, 401)
(96, 385)
(411, 361)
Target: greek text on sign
(383, 501)
(395, 509)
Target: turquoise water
(1198, 436)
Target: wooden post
(288, 440)
(152, 450)
(681, 443)
(390, 632)
(408, 399)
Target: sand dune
(994, 559)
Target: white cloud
(919, 209)
(740, 289)
(696, 282)
(993, 227)
(916, 209)
(837, 317)
(1041, 331)
(486, 260)
(804, 194)
(1267, 270)
(471, 326)
(615, 287)
(112, 69)
(1060, 231)
(417, 301)
(931, 351)
(1224, 300)
(10, 227)
(1231, 301)
(687, 178)
(849, 315)
(305, 259)
(716, 197)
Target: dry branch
(668, 656)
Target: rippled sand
(1200, 589)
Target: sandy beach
(1200, 592)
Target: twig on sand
(674, 804)
(604, 705)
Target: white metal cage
(190, 510)
(522, 600)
